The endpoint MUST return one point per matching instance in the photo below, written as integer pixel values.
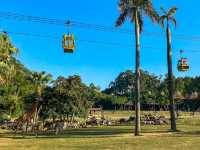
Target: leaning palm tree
(168, 17)
(135, 10)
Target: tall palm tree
(41, 80)
(168, 17)
(135, 10)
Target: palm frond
(128, 9)
(162, 20)
(121, 19)
(173, 21)
(168, 16)
(150, 11)
(122, 5)
(172, 11)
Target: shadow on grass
(71, 133)
(99, 132)
(188, 133)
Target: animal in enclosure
(8, 125)
(92, 121)
(59, 126)
(27, 120)
(149, 119)
(72, 124)
(48, 126)
(125, 121)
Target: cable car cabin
(183, 65)
(68, 43)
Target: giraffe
(28, 118)
(25, 119)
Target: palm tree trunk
(35, 113)
(37, 109)
(137, 72)
(170, 81)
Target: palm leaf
(128, 9)
(172, 11)
(162, 20)
(150, 11)
(121, 18)
(168, 16)
(173, 21)
(122, 5)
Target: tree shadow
(97, 132)
(71, 133)
(188, 133)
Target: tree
(41, 80)
(9, 94)
(135, 9)
(7, 50)
(124, 86)
(168, 17)
(17, 87)
(73, 97)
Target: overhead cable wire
(56, 37)
(77, 39)
(61, 22)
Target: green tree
(9, 95)
(135, 9)
(7, 50)
(124, 86)
(13, 92)
(74, 98)
(40, 80)
(168, 17)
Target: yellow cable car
(68, 43)
(182, 65)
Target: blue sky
(96, 63)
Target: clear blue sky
(99, 64)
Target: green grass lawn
(110, 138)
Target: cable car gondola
(68, 43)
(182, 65)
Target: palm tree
(41, 80)
(135, 10)
(168, 17)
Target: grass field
(111, 138)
